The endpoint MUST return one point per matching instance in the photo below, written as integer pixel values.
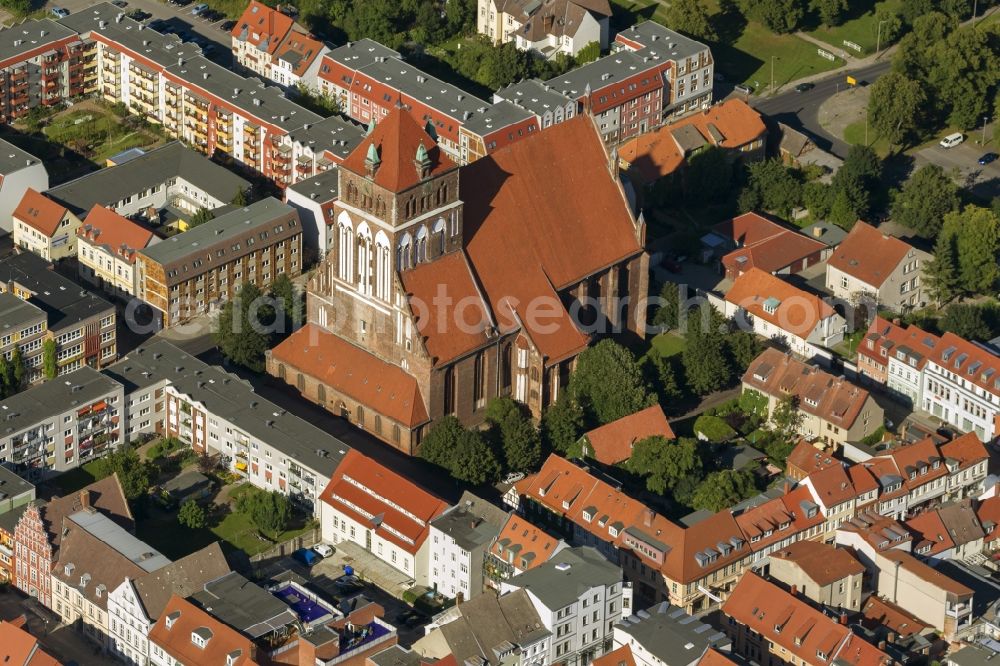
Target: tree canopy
(722, 489)
(895, 107)
(270, 512)
(925, 199)
(562, 423)
(464, 453)
(664, 463)
(609, 384)
(690, 18)
(135, 475)
(514, 433)
(241, 330)
(965, 255)
(705, 359)
(191, 515)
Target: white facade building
(18, 172)
(460, 539)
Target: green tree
(964, 69)
(831, 12)
(464, 453)
(706, 364)
(664, 463)
(895, 106)
(708, 175)
(723, 489)
(771, 186)
(786, 419)
(914, 57)
(291, 302)
(662, 372)
(240, 331)
(778, 16)
(743, 348)
(6, 377)
(853, 186)
(49, 366)
(240, 198)
(668, 313)
(200, 217)
(512, 428)
(18, 370)
(967, 321)
(925, 199)
(272, 513)
(886, 27)
(562, 423)
(191, 515)
(978, 244)
(690, 18)
(941, 273)
(609, 384)
(134, 475)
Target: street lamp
(878, 40)
(986, 119)
(772, 73)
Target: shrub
(713, 429)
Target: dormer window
(784, 525)
(812, 402)
(811, 512)
(771, 305)
(171, 618)
(201, 636)
(768, 533)
(68, 569)
(777, 628)
(233, 657)
(913, 474)
(821, 654)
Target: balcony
(958, 610)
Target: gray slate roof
(533, 95)
(27, 408)
(473, 522)
(671, 635)
(487, 624)
(243, 605)
(13, 158)
(497, 116)
(336, 134)
(183, 578)
(173, 160)
(232, 399)
(15, 314)
(30, 35)
(64, 302)
(322, 187)
(558, 585)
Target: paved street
(60, 641)
(984, 180)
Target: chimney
(647, 517)
(817, 231)
(843, 618)
(794, 591)
(891, 637)
(85, 498)
(881, 645)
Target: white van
(952, 140)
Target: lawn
(668, 344)
(748, 58)
(97, 134)
(76, 479)
(855, 134)
(862, 30)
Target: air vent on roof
(563, 566)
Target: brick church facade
(445, 286)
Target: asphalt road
(984, 181)
(800, 110)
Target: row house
(827, 575)
(19, 494)
(548, 105)
(460, 539)
(961, 386)
(38, 534)
(928, 594)
(777, 310)
(660, 635)
(44, 227)
(43, 64)
(273, 46)
(894, 357)
(19, 172)
(139, 601)
(197, 271)
(107, 244)
(59, 425)
(369, 505)
(173, 394)
(547, 29)
(833, 410)
(872, 270)
(950, 531)
(96, 555)
(841, 492)
(189, 634)
(519, 546)
(869, 534)
(83, 325)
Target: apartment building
(662, 636)
(19, 171)
(44, 227)
(83, 325)
(188, 634)
(894, 357)
(549, 106)
(275, 47)
(370, 505)
(38, 534)
(840, 492)
(871, 265)
(832, 409)
(313, 200)
(173, 394)
(41, 63)
(61, 424)
(172, 175)
(961, 386)
(492, 128)
(137, 603)
(579, 597)
(96, 555)
(548, 29)
(928, 594)
(827, 575)
(949, 531)
(19, 493)
(753, 241)
(23, 326)
(460, 538)
(774, 309)
(196, 272)
(731, 126)
(518, 547)
(314, 148)
(772, 627)
(107, 244)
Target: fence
(304, 540)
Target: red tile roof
(807, 459)
(451, 326)
(19, 648)
(303, 48)
(523, 544)
(778, 519)
(880, 532)
(879, 612)
(966, 449)
(796, 626)
(657, 154)
(396, 138)
(119, 235)
(988, 513)
(370, 493)
(185, 619)
(529, 233)
(913, 342)
(798, 312)
(269, 25)
(764, 244)
(823, 563)
(713, 657)
(612, 443)
(869, 255)
(985, 365)
(349, 369)
(619, 657)
(832, 486)
(929, 532)
(832, 399)
(945, 527)
(40, 213)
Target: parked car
(804, 87)
(952, 140)
(210, 16)
(198, 9)
(743, 89)
(139, 15)
(988, 158)
(306, 556)
(227, 26)
(325, 550)
(119, 3)
(59, 12)
(513, 477)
